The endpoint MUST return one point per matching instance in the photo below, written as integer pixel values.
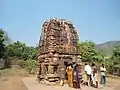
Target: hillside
(107, 47)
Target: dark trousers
(103, 79)
(89, 80)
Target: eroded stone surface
(57, 47)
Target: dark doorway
(66, 65)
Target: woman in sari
(76, 81)
(70, 76)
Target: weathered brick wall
(57, 45)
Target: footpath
(32, 84)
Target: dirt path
(12, 83)
(32, 84)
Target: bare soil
(30, 83)
(12, 83)
(114, 83)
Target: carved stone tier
(57, 48)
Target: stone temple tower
(57, 48)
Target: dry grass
(13, 72)
(10, 79)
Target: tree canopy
(89, 53)
(21, 51)
(16, 50)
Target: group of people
(91, 74)
(73, 76)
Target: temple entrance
(66, 65)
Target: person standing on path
(94, 76)
(76, 81)
(69, 71)
(103, 74)
(88, 72)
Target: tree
(116, 51)
(15, 49)
(114, 60)
(2, 45)
(3, 42)
(89, 53)
(15, 52)
(19, 50)
(116, 55)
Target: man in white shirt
(88, 71)
(103, 74)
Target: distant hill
(107, 47)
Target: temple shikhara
(57, 48)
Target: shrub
(21, 63)
(30, 65)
